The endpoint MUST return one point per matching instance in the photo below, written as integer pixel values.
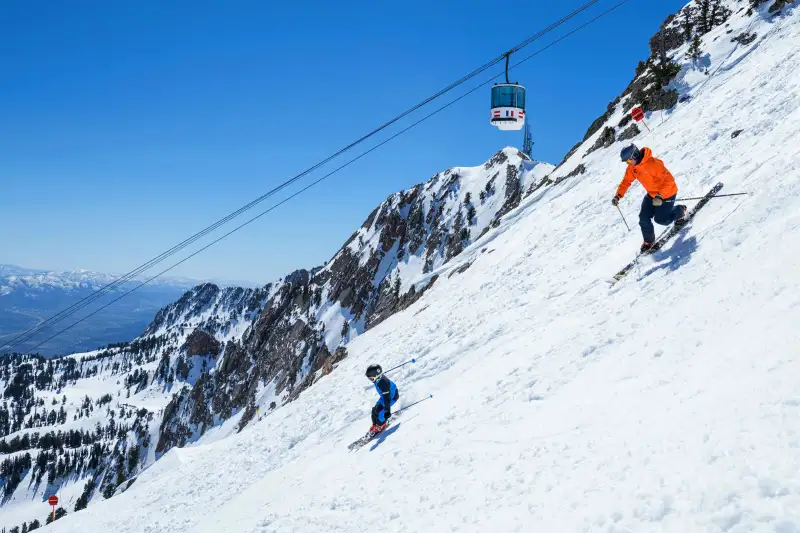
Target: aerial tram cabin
(508, 104)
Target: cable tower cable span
(128, 277)
(25, 336)
(299, 192)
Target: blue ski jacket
(388, 393)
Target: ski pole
(623, 218)
(715, 196)
(415, 403)
(398, 366)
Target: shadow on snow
(677, 255)
(383, 435)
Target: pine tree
(133, 456)
(108, 492)
(664, 74)
(83, 500)
(719, 14)
(34, 525)
(471, 214)
(704, 20)
(695, 50)
(688, 22)
(60, 513)
(468, 199)
(716, 12)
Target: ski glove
(615, 201)
(657, 201)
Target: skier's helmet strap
(374, 372)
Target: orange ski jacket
(652, 174)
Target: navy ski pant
(379, 411)
(665, 214)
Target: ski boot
(377, 428)
(681, 220)
(649, 247)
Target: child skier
(388, 393)
(659, 202)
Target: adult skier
(659, 202)
(388, 393)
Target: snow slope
(218, 359)
(666, 403)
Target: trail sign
(637, 114)
(53, 501)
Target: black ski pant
(665, 214)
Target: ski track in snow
(667, 403)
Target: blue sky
(126, 127)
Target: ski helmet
(374, 372)
(630, 152)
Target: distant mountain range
(30, 296)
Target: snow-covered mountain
(13, 278)
(215, 359)
(664, 403)
(30, 296)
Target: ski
(370, 436)
(668, 234)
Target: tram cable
(127, 277)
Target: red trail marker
(53, 500)
(637, 114)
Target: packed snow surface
(666, 403)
